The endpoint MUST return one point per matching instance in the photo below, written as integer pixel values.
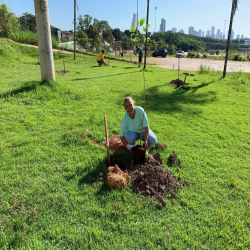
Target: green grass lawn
(51, 138)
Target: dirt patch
(178, 83)
(63, 72)
(150, 179)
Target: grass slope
(50, 156)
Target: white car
(179, 54)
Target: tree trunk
(229, 36)
(145, 56)
(44, 40)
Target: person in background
(140, 52)
(100, 59)
(132, 123)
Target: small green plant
(240, 77)
(204, 69)
(136, 34)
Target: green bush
(237, 57)
(204, 69)
(197, 55)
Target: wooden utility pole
(44, 40)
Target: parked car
(179, 54)
(160, 52)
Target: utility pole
(74, 29)
(155, 21)
(44, 40)
(137, 17)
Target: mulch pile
(150, 179)
(115, 144)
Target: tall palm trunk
(145, 56)
(234, 7)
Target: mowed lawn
(51, 150)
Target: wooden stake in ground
(64, 67)
(107, 138)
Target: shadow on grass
(87, 78)
(27, 87)
(193, 89)
(174, 101)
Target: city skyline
(199, 12)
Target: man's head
(103, 51)
(136, 46)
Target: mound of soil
(178, 83)
(152, 180)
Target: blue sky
(201, 14)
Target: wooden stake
(64, 66)
(107, 138)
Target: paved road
(193, 64)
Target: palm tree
(234, 7)
(146, 35)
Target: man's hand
(146, 145)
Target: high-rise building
(218, 34)
(242, 36)
(203, 33)
(238, 36)
(174, 30)
(208, 33)
(232, 35)
(212, 32)
(134, 21)
(199, 32)
(182, 31)
(163, 25)
(191, 30)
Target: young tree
(234, 7)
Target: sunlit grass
(49, 155)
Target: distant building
(208, 33)
(242, 36)
(238, 36)
(191, 30)
(212, 32)
(199, 32)
(163, 25)
(134, 21)
(174, 30)
(182, 31)
(232, 35)
(203, 33)
(218, 34)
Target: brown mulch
(115, 144)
